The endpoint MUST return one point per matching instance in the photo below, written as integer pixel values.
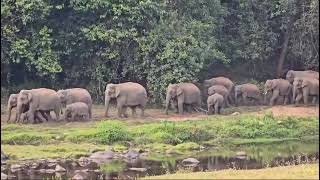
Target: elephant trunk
(19, 111)
(168, 98)
(236, 98)
(9, 111)
(294, 91)
(107, 101)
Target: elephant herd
(35, 105)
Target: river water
(255, 156)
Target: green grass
(115, 166)
(307, 171)
(165, 136)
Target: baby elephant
(77, 111)
(40, 116)
(215, 103)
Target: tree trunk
(287, 34)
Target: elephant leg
(298, 98)
(90, 112)
(124, 112)
(180, 107)
(142, 111)
(133, 111)
(274, 97)
(216, 108)
(57, 113)
(245, 99)
(226, 101)
(40, 116)
(314, 100)
(286, 100)
(305, 97)
(209, 109)
(31, 116)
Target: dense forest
(89, 43)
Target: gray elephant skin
(184, 94)
(72, 95)
(12, 103)
(78, 110)
(277, 88)
(220, 90)
(127, 94)
(247, 91)
(305, 87)
(39, 116)
(42, 99)
(301, 74)
(215, 103)
(223, 81)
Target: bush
(112, 131)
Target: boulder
(235, 114)
(16, 167)
(241, 155)
(190, 162)
(4, 176)
(138, 169)
(59, 168)
(80, 176)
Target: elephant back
(78, 95)
(45, 99)
(218, 89)
(223, 81)
(252, 90)
(135, 93)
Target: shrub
(111, 131)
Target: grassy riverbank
(306, 171)
(76, 139)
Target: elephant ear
(304, 83)
(179, 91)
(29, 96)
(273, 84)
(117, 91)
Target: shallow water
(211, 159)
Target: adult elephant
(246, 91)
(301, 74)
(127, 94)
(278, 87)
(41, 99)
(184, 94)
(305, 87)
(73, 95)
(223, 81)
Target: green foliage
(112, 131)
(88, 44)
(25, 138)
(114, 166)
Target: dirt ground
(158, 114)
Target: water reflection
(256, 156)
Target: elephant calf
(246, 91)
(215, 103)
(39, 117)
(75, 111)
(220, 90)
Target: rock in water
(190, 162)
(59, 168)
(4, 176)
(138, 169)
(80, 176)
